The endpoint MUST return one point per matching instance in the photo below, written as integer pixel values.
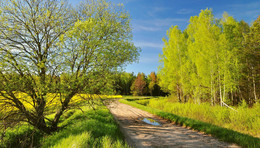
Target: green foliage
(153, 86)
(21, 136)
(207, 61)
(251, 70)
(144, 102)
(173, 58)
(221, 133)
(123, 83)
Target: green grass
(21, 136)
(91, 128)
(245, 120)
(94, 126)
(221, 133)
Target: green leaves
(204, 60)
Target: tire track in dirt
(142, 135)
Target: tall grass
(245, 120)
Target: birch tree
(172, 61)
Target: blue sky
(151, 19)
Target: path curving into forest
(142, 135)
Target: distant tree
(41, 40)
(152, 84)
(138, 88)
(123, 83)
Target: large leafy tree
(203, 50)
(173, 59)
(47, 46)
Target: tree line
(137, 85)
(213, 60)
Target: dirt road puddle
(150, 121)
(144, 130)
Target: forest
(213, 60)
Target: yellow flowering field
(53, 100)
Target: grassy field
(194, 118)
(245, 120)
(79, 128)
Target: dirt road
(139, 134)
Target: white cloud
(149, 59)
(156, 24)
(184, 11)
(160, 22)
(153, 11)
(251, 5)
(138, 27)
(248, 12)
(149, 45)
(169, 21)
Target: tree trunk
(179, 96)
(185, 99)
(224, 92)
(215, 92)
(179, 93)
(232, 98)
(220, 92)
(211, 92)
(41, 125)
(64, 106)
(254, 88)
